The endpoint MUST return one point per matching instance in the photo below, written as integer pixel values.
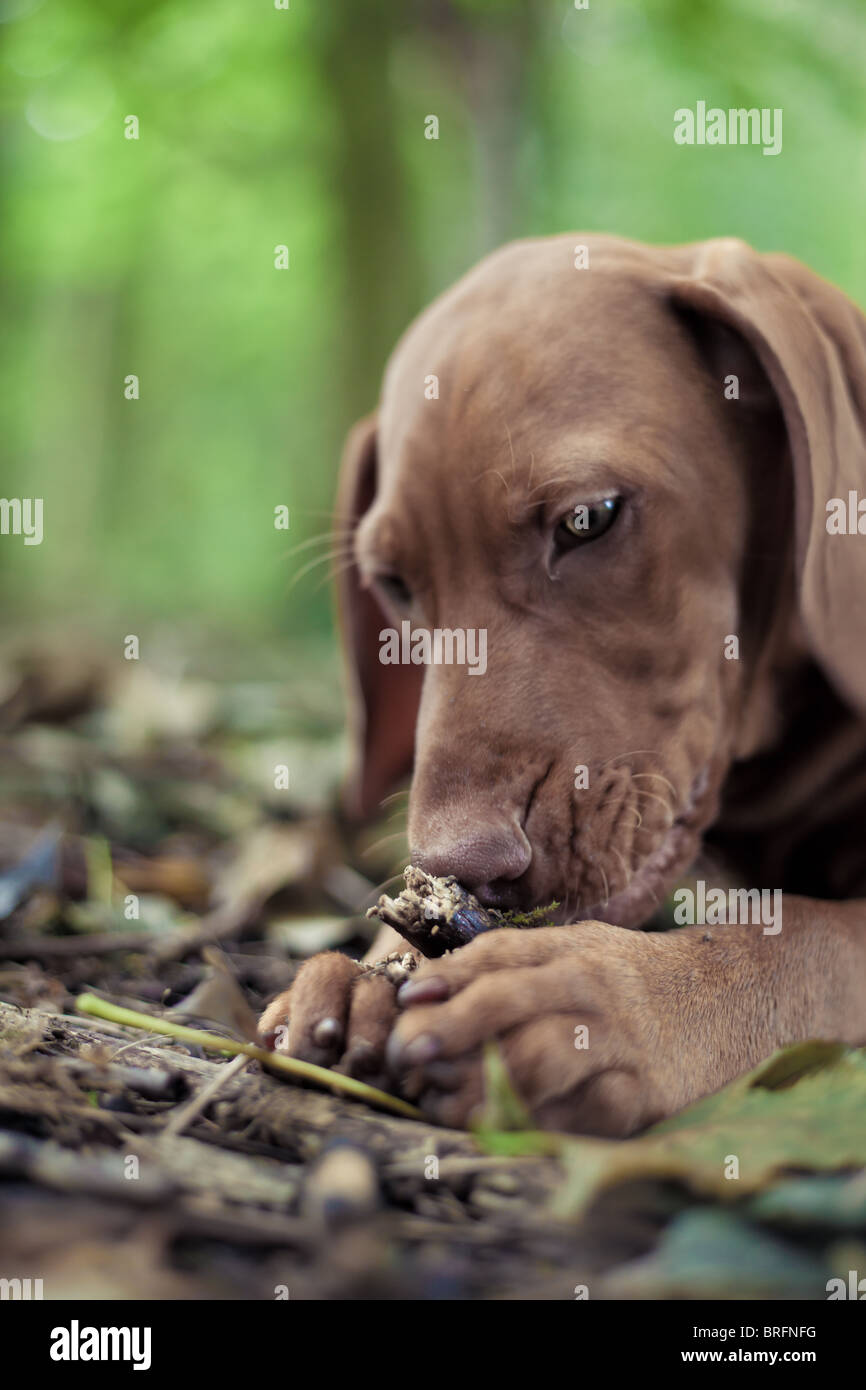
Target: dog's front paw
(571, 1011)
(336, 1014)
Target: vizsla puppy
(626, 467)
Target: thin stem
(100, 1008)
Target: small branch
(186, 1113)
(434, 915)
(95, 1007)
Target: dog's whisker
(383, 840)
(551, 483)
(321, 538)
(554, 481)
(337, 546)
(511, 450)
(600, 868)
(333, 574)
(404, 791)
(379, 888)
(321, 560)
(632, 753)
(314, 511)
(657, 777)
(651, 796)
(496, 473)
(338, 552)
(333, 553)
(626, 875)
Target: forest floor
(147, 857)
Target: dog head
(612, 480)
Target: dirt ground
(152, 853)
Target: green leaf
(821, 1203)
(502, 1108)
(788, 1066)
(803, 1109)
(100, 872)
(714, 1254)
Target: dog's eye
(394, 589)
(587, 521)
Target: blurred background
(305, 127)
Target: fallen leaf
(804, 1108)
(219, 999)
(714, 1254)
(829, 1203)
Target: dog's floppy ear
(383, 699)
(810, 341)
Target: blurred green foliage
(305, 126)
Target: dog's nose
(485, 861)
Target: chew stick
(435, 915)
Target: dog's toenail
(422, 1049)
(426, 991)
(327, 1032)
(361, 1057)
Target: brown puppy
(624, 480)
